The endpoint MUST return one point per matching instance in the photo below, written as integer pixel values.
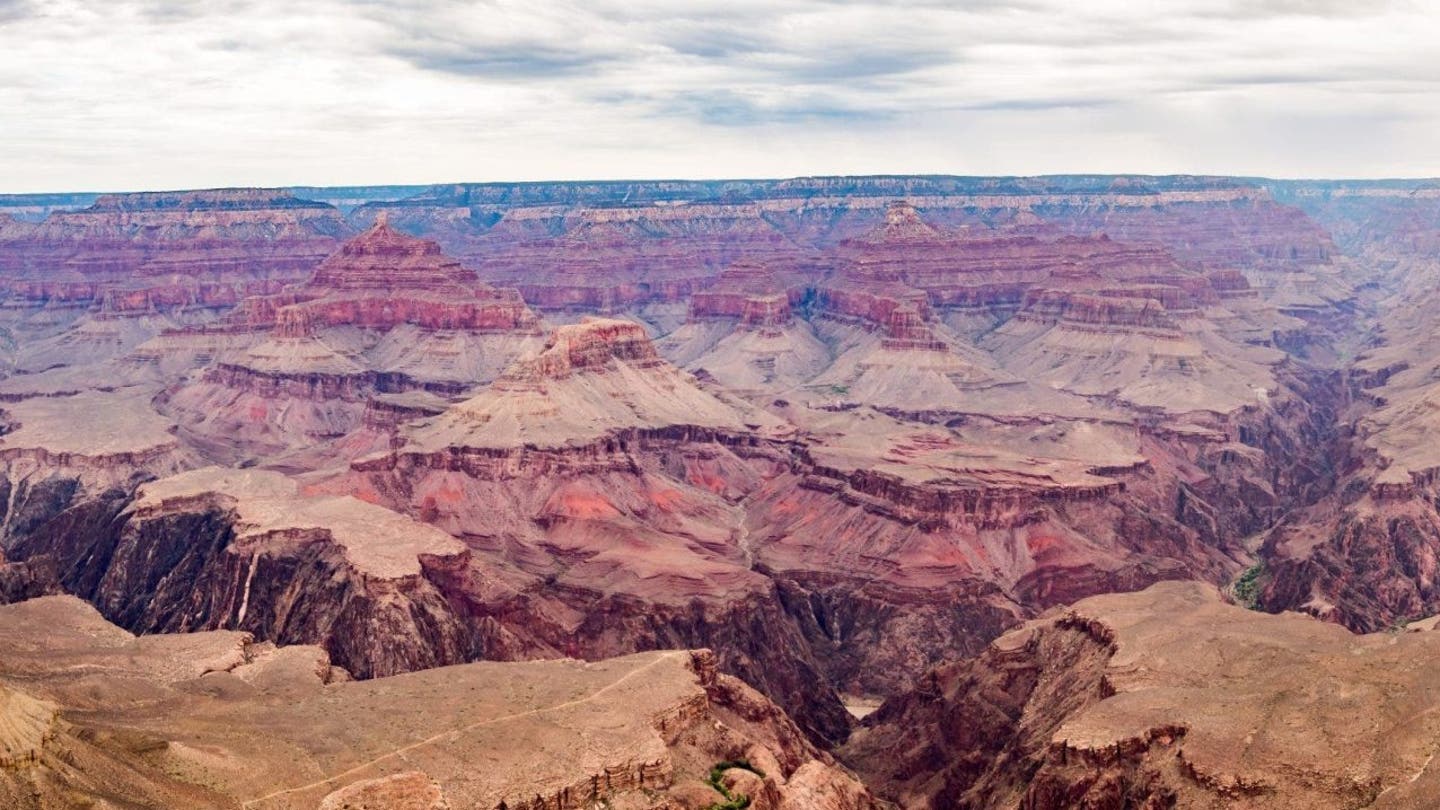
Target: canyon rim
(1025, 424)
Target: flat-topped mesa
(215, 199)
(1178, 292)
(593, 345)
(1097, 309)
(758, 296)
(1175, 299)
(872, 304)
(766, 313)
(293, 322)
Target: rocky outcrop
(384, 278)
(1106, 309)
(212, 549)
(1119, 701)
(20, 581)
(215, 719)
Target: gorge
(1010, 458)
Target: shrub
(733, 801)
(1247, 587)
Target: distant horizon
(724, 179)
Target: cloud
(1252, 9)
(164, 92)
(510, 62)
(730, 109)
(15, 9)
(1039, 104)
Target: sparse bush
(1247, 587)
(733, 801)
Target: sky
(100, 95)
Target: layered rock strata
(385, 314)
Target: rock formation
(155, 260)
(841, 431)
(216, 720)
(1163, 698)
(387, 313)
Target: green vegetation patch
(1247, 587)
(733, 801)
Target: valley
(969, 449)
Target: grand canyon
(1090, 491)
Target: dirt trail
(449, 733)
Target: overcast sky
(131, 94)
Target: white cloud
(173, 93)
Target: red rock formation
(1106, 309)
(384, 278)
(225, 236)
(757, 295)
(591, 349)
(436, 329)
(911, 424)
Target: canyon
(1002, 456)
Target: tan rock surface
(561, 732)
(592, 379)
(269, 508)
(1170, 696)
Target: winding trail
(399, 753)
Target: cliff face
(220, 234)
(1120, 701)
(209, 549)
(152, 715)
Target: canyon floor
(1107, 491)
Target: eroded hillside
(840, 431)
